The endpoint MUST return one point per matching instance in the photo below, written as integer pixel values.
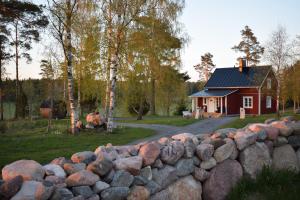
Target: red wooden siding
(269, 92)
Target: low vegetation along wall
(182, 167)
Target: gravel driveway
(201, 127)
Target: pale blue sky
(213, 26)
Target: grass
(173, 121)
(29, 140)
(269, 185)
(240, 123)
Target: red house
(230, 89)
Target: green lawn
(29, 140)
(240, 123)
(269, 185)
(173, 121)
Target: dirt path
(201, 127)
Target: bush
(3, 127)
(179, 108)
(269, 185)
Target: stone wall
(184, 167)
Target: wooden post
(221, 98)
(226, 105)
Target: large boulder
(11, 187)
(244, 139)
(165, 176)
(28, 169)
(149, 152)
(101, 166)
(222, 179)
(95, 119)
(208, 164)
(171, 153)
(61, 194)
(185, 136)
(81, 178)
(138, 193)
(284, 130)
(131, 164)
(254, 158)
(83, 157)
(284, 157)
(296, 127)
(184, 188)
(189, 148)
(115, 193)
(294, 140)
(122, 179)
(56, 169)
(32, 190)
(225, 151)
(84, 191)
(205, 151)
(201, 174)
(71, 168)
(184, 167)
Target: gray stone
(84, 191)
(56, 169)
(94, 197)
(100, 186)
(60, 161)
(138, 193)
(61, 194)
(269, 121)
(80, 197)
(284, 130)
(254, 158)
(284, 157)
(196, 161)
(165, 176)
(222, 179)
(184, 167)
(11, 187)
(225, 151)
(270, 146)
(153, 187)
(83, 157)
(122, 179)
(146, 172)
(55, 180)
(28, 169)
(296, 127)
(115, 193)
(158, 164)
(208, 164)
(186, 136)
(186, 187)
(280, 141)
(172, 153)
(82, 178)
(71, 168)
(132, 164)
(32, 190)
(224, 133)
(189, 148)
(139, 180)
(294, 140)
(101, 166)
(109, 177)
(205, 151)
(201, 174)
(244, 139)
(216, 142)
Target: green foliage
(179, 108)
(206, 67)
(249, 46)
(3, 126)
(269, 185)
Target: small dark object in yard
(3, 127)
(59, 109)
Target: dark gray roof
(213, 93)
(231, 77)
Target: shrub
(3, 127)
(179, 108)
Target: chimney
(242, 64)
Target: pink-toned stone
(272, 132)
(138, 193)
(149, 152)
(221, 180)
(81, 178)
(132, 164)
(28, 169)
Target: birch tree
(278, 53)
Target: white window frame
(268, 102)
(246, 103)
(269, 83)
(204, 101)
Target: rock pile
(182, 167)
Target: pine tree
(206, 67)
(250, 47)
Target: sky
(212, 26)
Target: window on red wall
(269, 102)
(247, 102)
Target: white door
(211, 105)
